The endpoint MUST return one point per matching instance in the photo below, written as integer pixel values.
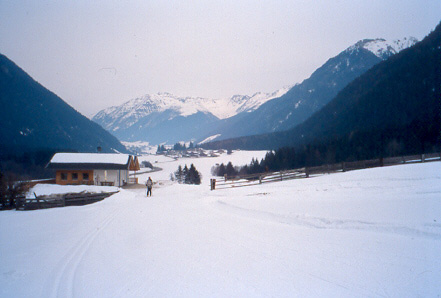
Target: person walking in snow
(149, 184)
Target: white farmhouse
(94, 168)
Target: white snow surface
(367, 233)
(112, 158)
(49, 189)
(209, 139)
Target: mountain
(164, 117)
(302, 100)
(392, 109)
(167, 127)
(33, 118)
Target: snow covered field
(371, 233)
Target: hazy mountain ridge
(34, 118)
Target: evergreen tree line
(229, 170)
(422, 136)
(182, 147)
(233, 171)
(161, 148)
(187, 175)
(27, 165)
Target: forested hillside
(392, 109)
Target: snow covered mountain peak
(383, 48)
(127, 114)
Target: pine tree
(254, 166)
(230, 171)
(179, 174)
(193, 176)
(221, 171)
(184, 174)
(189, 176)
(161, 148)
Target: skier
(149, 184)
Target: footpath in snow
(374, 232)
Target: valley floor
(374, 232)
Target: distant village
(181, 151)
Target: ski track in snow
(62, 279)
(364, 233)
(327, 223)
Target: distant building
(94, 168)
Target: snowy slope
(382, 48)
(365, 233)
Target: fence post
(260, 179)
(343, 167)
(422, 157)
(281, 176)
(212, 184)
(225, 177)
(306, 172)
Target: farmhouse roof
(80, 161)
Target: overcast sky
(95, 54)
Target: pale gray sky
(95, 54)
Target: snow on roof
(93, 158)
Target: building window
(63, 176)
(74, 176)
(85, 176)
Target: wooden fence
(254, 179)
(60, 200)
